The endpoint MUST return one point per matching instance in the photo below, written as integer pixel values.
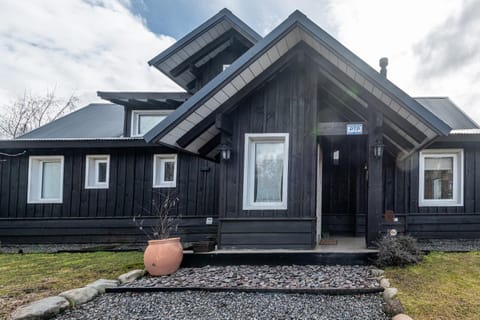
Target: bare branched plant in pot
(164, 253)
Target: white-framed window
(144, 120)
(97, 171)
(441, 177)
(45, 179)
(265, 174)
(164, 170)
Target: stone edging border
(50, 306)
(392, 306)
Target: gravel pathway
(244, 276)
(203, 305)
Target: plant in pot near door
(163, 254)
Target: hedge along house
(277, 142)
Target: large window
(144, 120)
(45, 179)
(441, 177)
(265, 171)
(165, 171)
(97, 171)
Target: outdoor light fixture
(378, 150)
(225, 151)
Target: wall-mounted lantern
(225, 151)
(378, 150)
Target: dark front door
(344, 189)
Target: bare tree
(32, 111)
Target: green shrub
(398, 251)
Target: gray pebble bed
(449, 245)
(55, 248)
(228, 305)
(285, 277)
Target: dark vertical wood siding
(130, 192)
(286, 104)
(401, 182)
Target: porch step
(225, 258)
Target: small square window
(441, 177)
(97, 171)
(265, 171)
(144, 120)
(45, 179)
(165, 171)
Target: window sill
(165, 186)
(96, 187)
(264, 207)
(440, 204)
(44, 201)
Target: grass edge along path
(443, 286)
(28, 277)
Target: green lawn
(443, 286)
(28, 277)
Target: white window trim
(38, 198)
(102, 158)
(248, 171)
(135, 116)
(458, 173)
(165, 184)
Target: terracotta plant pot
(163, 257)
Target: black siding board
(477, 181)
(77, 186)
(469, 183)
(120, 195)
(14, 186)
(22, 191)
(129, 182)
(5, 196)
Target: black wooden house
(276, 142)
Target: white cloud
(91, 45)
(377, 28)
(76, 46)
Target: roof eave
(243, 28)
(298, 18)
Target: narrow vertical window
(97, 171)
(45, 179)
(265, 171)
(164, 170)
(441, 177)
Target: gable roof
(157, 100)
(450, 113)
(210, 32)
(93, 121)
(295, 29)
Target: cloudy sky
(81, 46)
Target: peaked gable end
(223, 36)
(409, 118)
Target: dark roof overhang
(224, 29)
(154, 100)
(336, 59)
